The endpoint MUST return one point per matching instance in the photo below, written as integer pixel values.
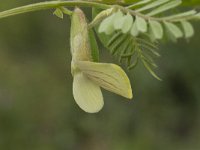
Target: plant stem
(50, 5)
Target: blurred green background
(38, 112)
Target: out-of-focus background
(38, 112)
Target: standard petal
(87, 94)
(109, 76)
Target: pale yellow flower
(90, 76)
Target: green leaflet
(94, 46)
(124, 48)
(148, 59)
(101, 16)
(119, 21)
(152, 5)
(150, 48)
(190, 3)
(102, 36)
(171, 36)
(116, 21)
(167, 6)
(150, 70)
(131, 49)
(128, 23)
(141, 24)
(197, 16)
(66, 11)
(151, 35)
(113, 38)
(181, 15)
(156, 29)
(139, 3)
(134, 30)
(173, 30)
(115, 47)
(58, 12)
(188, 29)
(134, 64)
(153, 51)
(107, 25)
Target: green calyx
(83, 42)
(80, 46)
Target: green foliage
(120, 21)
(58, 12)
(173, 30)
(126, 28)
(139, 3)
(134, 30)
(127, 48)
(191, 2)
(152, 5)
(131, 49)
(107, 25)
(188, 29)
(156, 29)
(141, 24)
(126, 23)
(94, 46)
(165, 7)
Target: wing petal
(87, 94)
(108, 76)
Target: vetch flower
(88, 76)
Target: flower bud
(79, 40)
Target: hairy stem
(50, 5)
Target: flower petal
(109, 76)
(87, 94)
